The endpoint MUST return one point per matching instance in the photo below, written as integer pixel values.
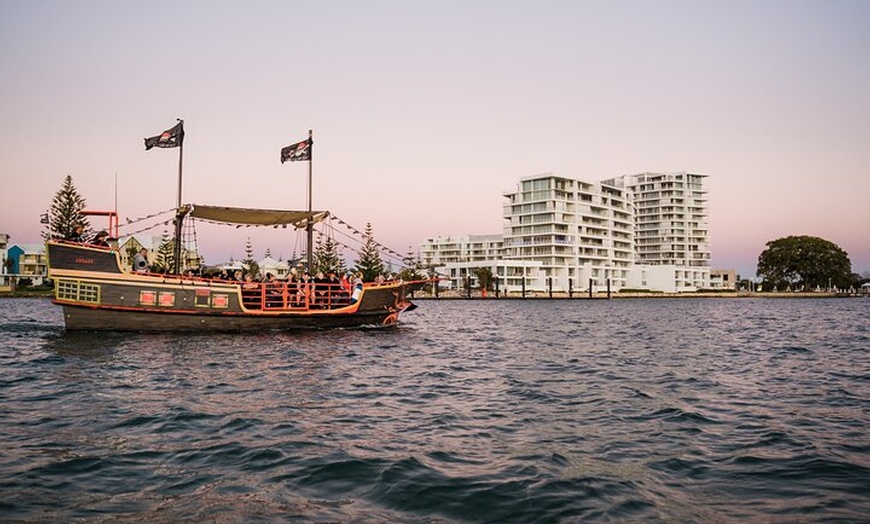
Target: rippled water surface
(657, 410)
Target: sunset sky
(425, 113)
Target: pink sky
(425, 113)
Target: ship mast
(179, 214)
(309, 228)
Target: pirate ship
(97, 293)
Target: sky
(425, 113)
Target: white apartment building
(671, 227)
(646, 231)
(671, 218)
(441, 250)
(582, 233)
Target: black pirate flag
(169, 138)
(297, 152)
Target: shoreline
(617, 296)
(564, 296)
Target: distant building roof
(149, 242)
(271, 263)
(29, 248)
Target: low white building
(723, 279)
(27, 261)
(441, 250)
(279, 268)
(509, 276)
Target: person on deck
(333, 289)
(346, 284)
(101, 239)
(77, 234)
(303, 289)
(251, 297)
(319, 289)
(274, 291)
(357, 288)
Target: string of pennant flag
(353, 234)
(377, 244)
(130, 221)
(399, 261)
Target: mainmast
(309, 228)
(179, 213)
(173, 137)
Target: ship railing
(278, 295)
(293, 296)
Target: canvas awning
(255, 217)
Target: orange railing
(283, 296)
(278, 295)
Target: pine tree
(413, 268)
(326, 256)
(369, 262)
(252, 267)
(165, 254)
(65, 212)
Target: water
(648, 410)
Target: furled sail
(255, 217)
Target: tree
(65, 212)
(369, 262)
(252, 267)
(165, 254)
(412, 269)
(326, 256)
(804, 262)
(484, 277)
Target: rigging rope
(325, 229)
(188, 240)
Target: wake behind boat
(97, 294)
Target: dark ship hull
(97, 295)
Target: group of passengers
(101, 239)
(321, 291)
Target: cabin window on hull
(220, 301)
(202, 298)
(78, 291)
(166, 299)
(147, 298)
